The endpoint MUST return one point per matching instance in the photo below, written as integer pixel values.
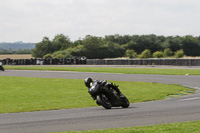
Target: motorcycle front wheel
(1, 68)
(125, 103)
(104, 101)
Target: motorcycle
(1, 66)
(107, 97)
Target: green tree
(151, 42)
(113, 50)
(174, 43)
(92, 47)
(191, 46)
(61, 42)
(42, 48)
(118, 39)
(130, 45)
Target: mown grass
(184, 127)
(22, 94)
(112, 70)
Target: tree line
(112, 46)
(19, 51)
(16, 46)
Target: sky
(32, 20)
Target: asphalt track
(180, 109)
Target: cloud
(31, 20)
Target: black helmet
(87, 82)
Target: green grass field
(21, 94)
(112, 70)
(184, 127)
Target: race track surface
(148, 113)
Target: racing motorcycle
(1, 66)
(107, 97)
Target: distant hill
(16, 46)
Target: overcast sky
(31, 20)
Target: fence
(175, 62)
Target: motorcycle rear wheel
(104, 101)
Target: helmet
(87, 82)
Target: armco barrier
(175, 62)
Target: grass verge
(112, 70)
(22, 94)
(183, 127)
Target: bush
(179, 54)
(158, 54)
(59, 56)
(47, 56)
(62, 54)
(131, 53)
(167, 52)
(145, 54)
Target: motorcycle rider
(88, 83)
